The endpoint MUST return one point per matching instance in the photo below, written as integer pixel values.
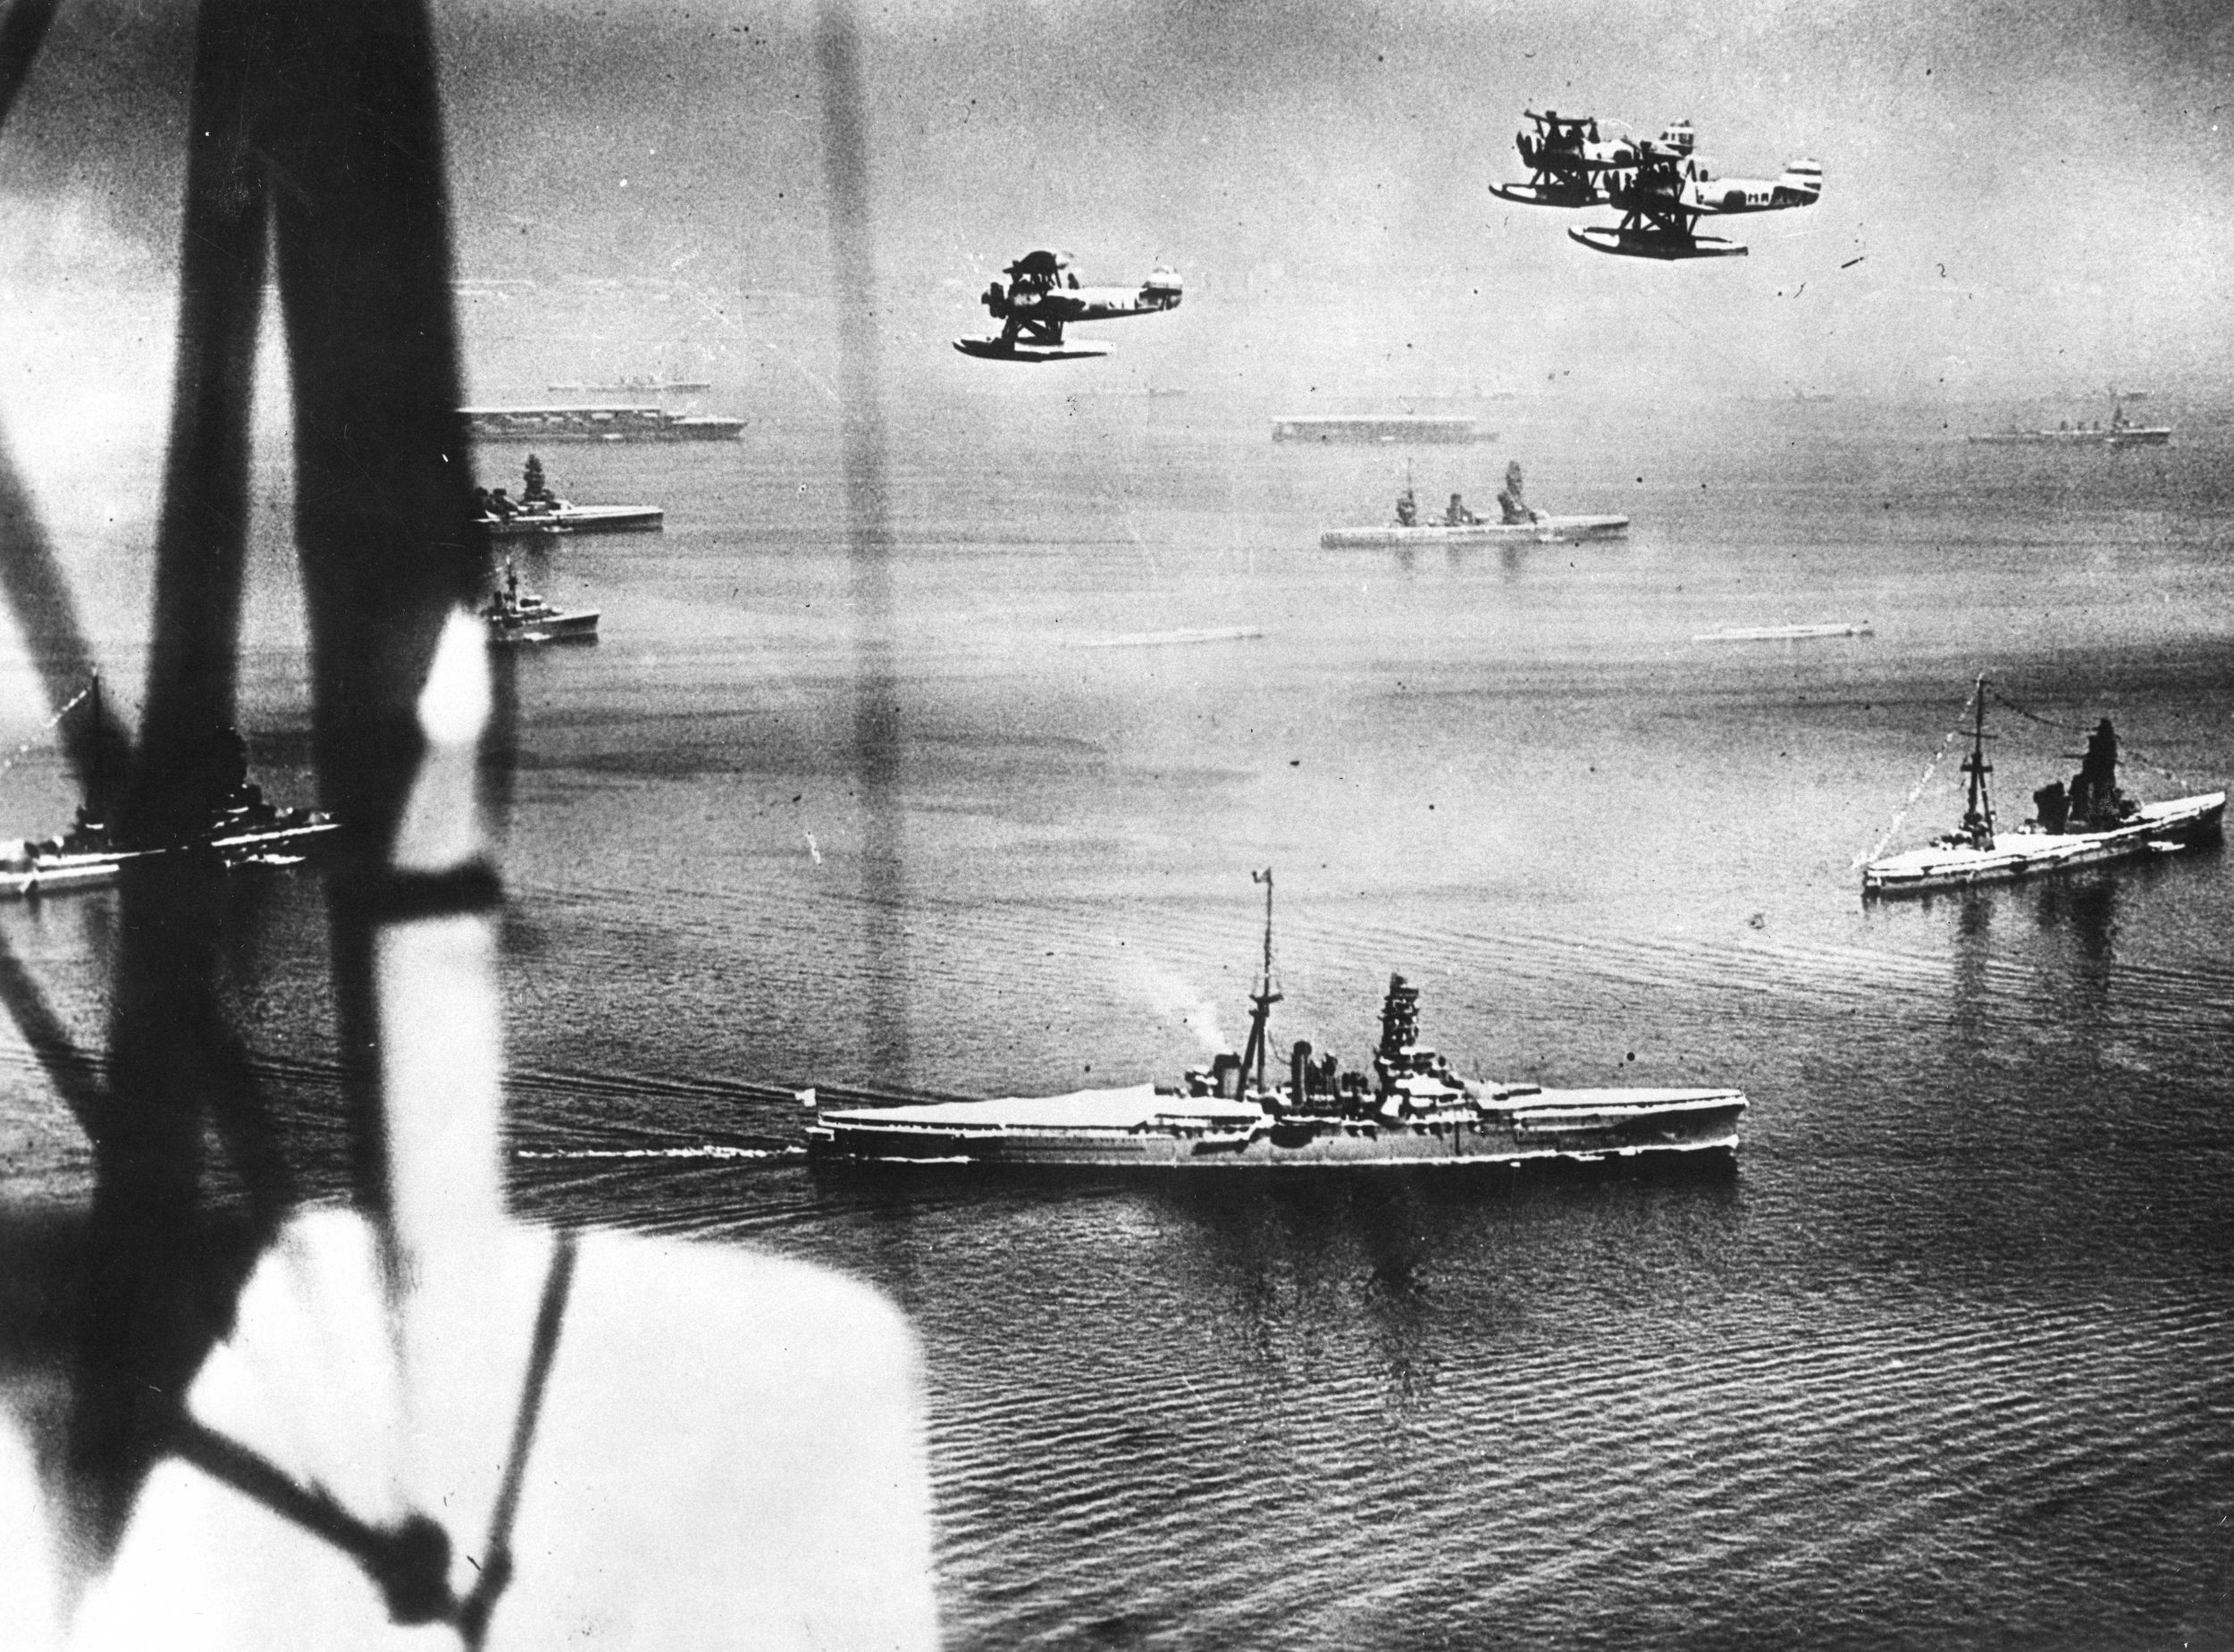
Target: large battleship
(540, 511)
(2088, 823)
(1518, 522)
(1409, 1110)
(241, 829)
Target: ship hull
(576, 627)
(66, 873)
(2131, 436)
(1576, 1125)
(578, 519)
(597, 424)
(1545, 531)
(2182, 823)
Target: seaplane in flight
(1043, 296)
(1568, 161)
(1661, 186)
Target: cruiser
(2119, 433)
(1410, 1109)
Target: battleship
(1411, 1109)
(241, 829)
(600, 424)
(540, 511)
(1518, 522)
(2091, 822)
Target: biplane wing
(1658, 217)
(1042, 297)
(1568, 161)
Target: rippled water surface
(1948, 1357)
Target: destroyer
(1410, 1109)
(1518, 522)
(2086, 824)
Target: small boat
(516, 618)
(1518, 524)
(1410, 1110)
(2090, 823)
(539, 510)
(243, 830)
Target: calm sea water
(1948, 1359)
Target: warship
(2119, 433)
(1386, 427)
(1410, 1109)
(538, 511)
(241, 829)
(1518, 522)
(516, 617)
(2089, 823)
(606, 424)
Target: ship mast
(1264, 997)
(95, 779)
(1978, 819)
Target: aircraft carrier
(606, 424)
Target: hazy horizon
(2020, 201)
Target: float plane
(1568, 161)
(1043, 296)
(1661, 186)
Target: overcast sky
(2019, 197)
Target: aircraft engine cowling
(995, 299)
(1163, 288)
